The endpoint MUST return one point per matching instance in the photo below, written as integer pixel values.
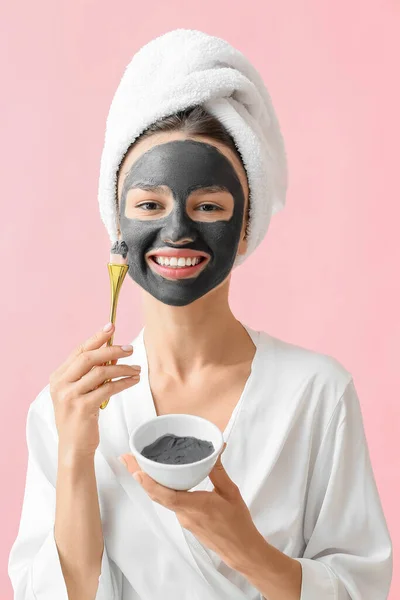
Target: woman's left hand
(220, 519)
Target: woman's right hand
(77, 391)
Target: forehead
(156, 139)
(183, 165)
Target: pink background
(327, 275)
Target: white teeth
(173, 261)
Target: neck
(183, 339)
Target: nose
(179, 242)
(179, 228)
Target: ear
(243, 243)
(242, 248)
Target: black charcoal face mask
(183, 166)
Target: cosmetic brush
(117, 269)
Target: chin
(173, 301)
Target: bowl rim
(167, 466)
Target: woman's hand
(220, 519)
(77, 391)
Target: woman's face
(182, 210)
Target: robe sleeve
(34, 566)
(348, 554)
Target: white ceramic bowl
(176, 477)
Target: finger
(175, 500)
(130, 463)
(93, 358)
(109, 389)
(99, 374)
(95, 341)
(223, 484)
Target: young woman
(290, 511)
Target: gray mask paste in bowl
(173, 449)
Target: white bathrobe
(295, 447)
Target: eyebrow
(148, 187)
(210, 189)
(163, 189)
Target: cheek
(137, 234)
(222, 235)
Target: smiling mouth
(172, 267)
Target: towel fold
(181, 69)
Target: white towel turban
(181, 69)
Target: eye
(208, 207)
(149, 205)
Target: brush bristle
(119, 253)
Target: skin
(160, 138)
(199, 208)
(220, 519)
(220, 338)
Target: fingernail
(108, 327)
(127, 348)
(122, 460)
(137, 476)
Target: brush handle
(117, 274)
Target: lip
(173, 273)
